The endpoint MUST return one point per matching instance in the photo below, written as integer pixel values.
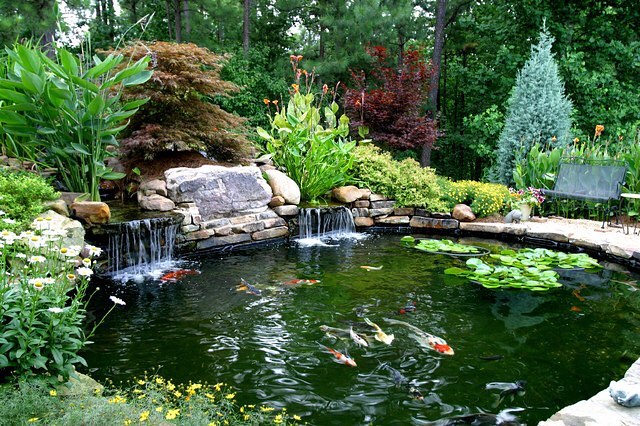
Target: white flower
(86, 262)
(71, 277)
(36, 242)
(84, 272)
(48, 280)
(37, 259)
(8, 221)
(2, 213)
(68, 252)
(117, 301)
(56, 310)
(40, 224)
(37, 283)
(93, 250)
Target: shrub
(22, 197)
(483, 198)
(538, 110)
(310, 143)
(179, 115)
(70, 110)
(404, 181)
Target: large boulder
(463, 213)
(71, 230)
(346, 194)
(91, 212)
(284, 186)
(156, 202)
(219, 191)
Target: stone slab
(199, 235)
(404, 211)
(393, 220)
(363, 221)
(382, 204)
(273, 222)
(279, 231)
(248, 227)
(362, 204)
(360, 212)
(287, 210)
(380, 212)
(223, 241)
(493, 228)
(215, 223)
(433, 223)
(377, 197)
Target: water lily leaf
(455, 271)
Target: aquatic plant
(530, 269)
(440, 246)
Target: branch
(456, 11)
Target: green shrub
(404, 181)
(483, 198)
(22, 195)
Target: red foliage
(390, 100)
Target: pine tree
(538, 110)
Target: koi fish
(248, 288)
(339, 357)
(507, 389)
(357, 338)
(372, 268)
(300, 281)
(333, 332)
(409, 307)
(575, 309)
(398, 378)
(503, 418)
(380, 335)
(174, 276)
(425, 339)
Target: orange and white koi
(425, 339)
(339, 357)
(178, 274)
(380, 335)
(372, 268)
(296, 281)
(248, 288)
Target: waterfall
(140, 246)
(323, 222)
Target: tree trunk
(401, 42)
(441, 6)
(167, 4)
(220, 32)
(246, 21)
(178, 20)
(186, 18)
(98, 11)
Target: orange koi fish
(339, 357)
(176, 275)
(425, 339)
(372, 268)
(300, 281)
(248, 288)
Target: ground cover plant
(68, 112)
(483, 198)
(308, 139)
(529, 269)
(145, 400)
(22, 197)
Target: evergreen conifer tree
(538, 110)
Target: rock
(286, 210)
(273, 222)
(284, 186)
(362, 204)
(223, 241)
(70, 197)
(80, 385)
(264, 159)
(463, 213)
(404, 211)
(433, 223)
(277, 201)
(380, 212)
(363, 221)
(360, 212)
(514, 216)
(248, 227)
(277, 232)
(266, 167)
(346, 194)
(365, 193)
(91, 212)
(59, 206)
(625, 392)
(382, 204)
(493, 228)
(72, 230)
(215, 223)
(377, 197)
(189, 228)
(223, 231)
(219, 191)
(155, 186)
(156, 202)
(393, 220)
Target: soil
(154, 169)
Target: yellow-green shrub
(483, 198)
(404, 181)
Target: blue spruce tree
(538, 111)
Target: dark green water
(201, 329)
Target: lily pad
(444, 246)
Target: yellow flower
(144, 416)
(158, 409)
(159, 380)
(170, 386)
(266, 409)
(172, 414)
(141, 382)
(210, 396)
(230, 395)
(296, 88)
(576, 140)
(53, 392)
(277, 419)
(247, 416)
(218, 386)
(296, 417)
(242, 409)
(213, 424)
(97, 391)
(32, 420)
(178, 394)
(127, 422)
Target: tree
(538, 110)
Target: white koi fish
(339, 357)
(380, 335)
(425, 339)
(372, 268)
(357, 338)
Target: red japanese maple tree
(391, 100)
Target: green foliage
(42, 299)
(22, 197)
(538, 168)
(529, 269)
(69, 109)
(483, 198)
(538, 110)
(404, 181)
(310, 144)
(147, 400)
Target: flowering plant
(531, 196)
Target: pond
(567, 343)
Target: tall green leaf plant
(71, 110)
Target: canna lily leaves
(529, 269)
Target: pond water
(567, 344)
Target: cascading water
(316, 224)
